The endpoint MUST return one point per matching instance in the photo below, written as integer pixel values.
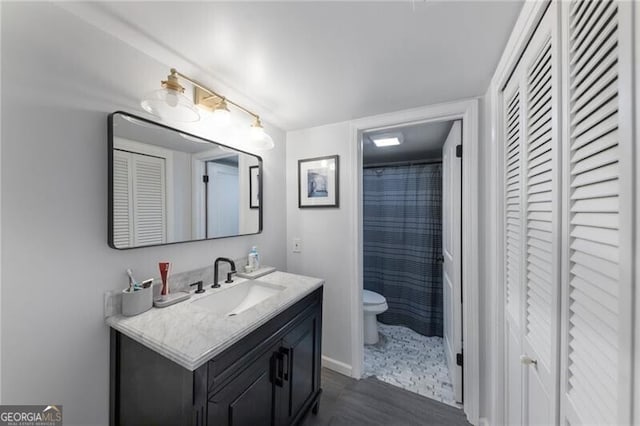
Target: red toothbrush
(164, 274)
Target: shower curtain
(403, 243)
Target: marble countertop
(191, 335)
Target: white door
(541, 177)
(452, 253)
(532, 230)
(569, 220)
(597, 355)
(512, 130)
(222, 200)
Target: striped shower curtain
(403, 242)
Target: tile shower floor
(410, 361)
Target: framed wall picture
(254, 187)
(318, 183)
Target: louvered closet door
(139, 199)
(596, 352)
(513, 213)
(532, 230)
(149, 200)
(541, 160)
(122, 208)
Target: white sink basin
(239, 298)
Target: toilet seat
(372, 298)
(373, 304)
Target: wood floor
(346, 401)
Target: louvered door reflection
(139, 199)
(596, 354)
(122, 226)
(149, 198)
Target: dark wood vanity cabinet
(249, 398)
(270, 377)
(298, 352)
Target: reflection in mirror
(168, 187)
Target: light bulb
(221, 117)
(257, 133)
(172, 98)
(258, 139)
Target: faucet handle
(199, 289)
(230, 275)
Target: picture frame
(254, 187)
(319, 182)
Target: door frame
(198, 169)
(526, 24)
(467, 111)
(228, 170)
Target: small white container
(137, 302)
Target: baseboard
(337, 366)
(483, 421)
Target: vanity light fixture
(221, 114)
(170, 104)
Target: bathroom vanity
(196, 364)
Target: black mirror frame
(110, 182)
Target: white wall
(328, 241)
(60, 79)
(327, 248)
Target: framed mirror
(167, 186)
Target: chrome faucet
(229, 274)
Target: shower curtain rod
(402, 163)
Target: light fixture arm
(214, 93)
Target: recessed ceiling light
(382, 140)
(386, 142)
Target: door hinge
(459, 151)
(459, 359)
(205, 178)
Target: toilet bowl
(373, 305)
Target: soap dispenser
(253, 259)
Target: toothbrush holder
(137, 302)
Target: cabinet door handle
(276, 369)
(285, 353)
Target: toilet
(373, 305)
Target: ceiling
(420, 142)
(303, 64)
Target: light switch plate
(297, 245)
